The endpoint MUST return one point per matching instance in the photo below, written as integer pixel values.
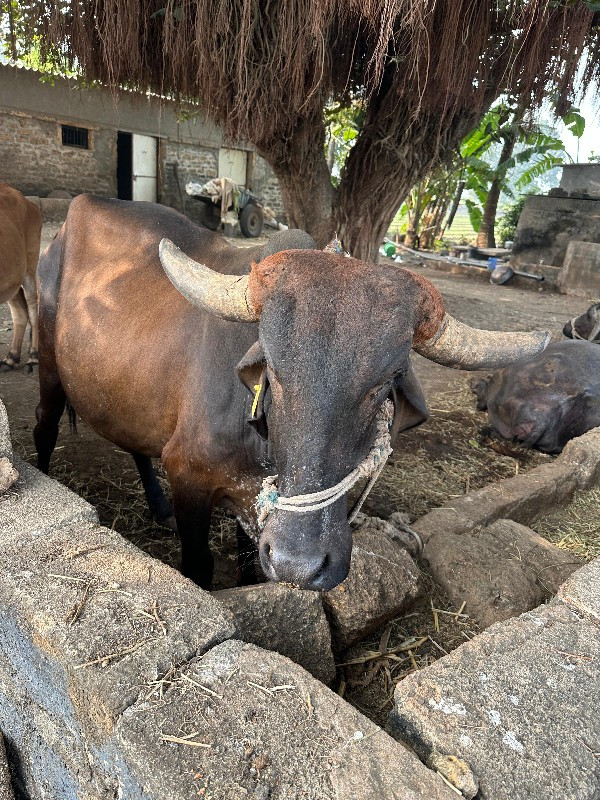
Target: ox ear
(410, 408)
(252, 371)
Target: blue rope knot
(267, 497)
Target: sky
(590, 141)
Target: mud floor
(447, 456)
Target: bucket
(389, 248)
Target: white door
(144, 167)
(232, 164)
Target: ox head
(334, 340)
(585, 326)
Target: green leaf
(575, 123)
(475, 214)
(537, 170)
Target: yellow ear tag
(257, 388)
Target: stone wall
(34, 160)
(581, 179)
(548, 224)
(266, 186)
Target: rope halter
(593, 333)
(269, 498)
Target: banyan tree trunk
(382, 167)
(300, 165)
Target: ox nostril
(321, 570)
(310, 571)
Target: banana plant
(522, 142)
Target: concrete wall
(548, 224)
(34, 160)
(580, 274)
(581, 179)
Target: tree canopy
(424, 70)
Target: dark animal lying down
(585, 326)
(547, 400)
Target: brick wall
(266, 186)
(194, 163)
(34, 160)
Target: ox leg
(159, 506)
(247, 550)
(48, 413)
(18, 312)
(193, 525)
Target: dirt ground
(447, 456)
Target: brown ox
(20, 234)
(230, 377)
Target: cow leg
(18, 312)
(193, 510)
(30, 295)
(247, 550)
(48, 413)
(193, 524)
(159, 506)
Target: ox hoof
(31, 367)
(170, 523)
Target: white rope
(269, 498)
(594, 332)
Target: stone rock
(54, 209)
(548, 224)
(518, 704)
(582, 590)
(397, 528)
(5, 443)
(8, 475)
(60, 194)
(582, 455)
(500, 571)
(288, 620)
(6, 792)
(37, 504)
(265, 729)
(383, 580)
(113, 618)
(580, 273)
(523, 498)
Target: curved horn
(457, 345)
(225, 296)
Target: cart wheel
(212, 216)
(251, 220)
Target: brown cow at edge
(326, 337)
(20, 234)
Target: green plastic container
(389, 248)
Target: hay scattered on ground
(431, 629)
(576, 527)
(448, 456)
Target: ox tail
(72, 417)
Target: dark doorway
(124, 166)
